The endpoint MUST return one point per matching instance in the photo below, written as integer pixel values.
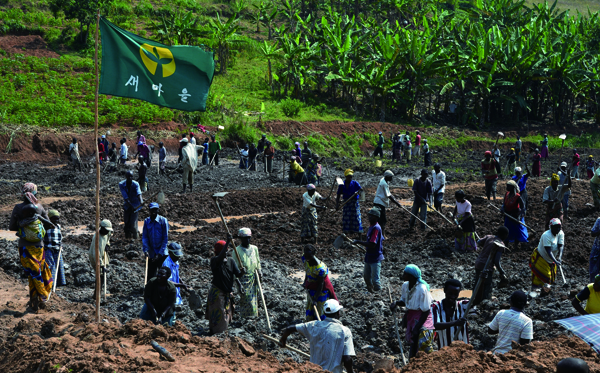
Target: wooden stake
(286, 346)
(263, 299)
(97, 236)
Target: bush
(291, 107)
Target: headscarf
(310, 187)
(515, 185)
(245, 232)
(52, 213)
(29, 191)
(555, 177)
(348, 172)
(555, 221)
(388, 173)
(414, 271)
(488, 153)
(518, 169)
(219, 245)
(513, 149)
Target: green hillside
(574, 5)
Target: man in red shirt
(490, 174)
(417, 148)
(575, 164)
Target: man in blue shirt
(132, 194)
(172, 262)
(521, 180)
(155, 237)
(374, 255)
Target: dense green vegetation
(497, 61)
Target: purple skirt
(544, 153)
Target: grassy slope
(573, 5)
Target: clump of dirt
(29, 45)
(537, 357)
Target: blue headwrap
(414, 271)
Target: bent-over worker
(159, 299)
(547, 255)
(591, 294)
(316, 282)
(512, 324)
(488, 243)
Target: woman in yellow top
(296, 172)
(591, 293)
(251, 262)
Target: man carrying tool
(379, 147)
(142, 169)
(159, 299)
(248, 254)
(552, 198)
(591, 294)
(512, 324)
(521, 181)
(351, 219)
(426, 154)
(383, 197)
(547, 256)
(496, 153)
(244, 157)
(317, 284)
(269, 154)
(439, 186)
(514, 207)
(132, 196)
(52, 245)
(74, 153)
(489, 244)
(309, 228)
(417, 320)
(374, 254)
(449, 315)
(213, 150)
(563, 175)
(106, 232)
(172, 262)
(296, 172)
(252, 153)
(407, 145)
(155, 237)
(423, 191)
(219, 306)
(489, 171)
(189, 162)
(464, 239)
(331, 345)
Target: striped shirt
(511, 326)
(53, 238)
(445, 337)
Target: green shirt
(213, 147)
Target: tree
(83, 11)
(223, 34)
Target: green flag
(177, 77)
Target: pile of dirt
(29, 45)
(537, 357)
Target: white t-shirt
(123, 151)
(518, 144)
(417, 298)
(193, 140)
(463, 207)
(329, 341)
(496, 155)
(307, 200)
(512, 326)
(548, 239)
(439, 180)
(382, 196)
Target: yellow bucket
(410, 182)
(378, 163)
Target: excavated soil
(29, 45)
(270, 207)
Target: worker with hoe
(553, 195)
(250, 260)
(106, 232)
(309, 228)
(423, 191)
(489, 244)
(547, 256)
(155, 238)
(449, 315)
(351, 219)
(374, 254)
(383, 197)
(417, 320)
(591, 294)
(489, 170)
(219, 307)
(159, 299)
(132, 196)
(331, 344)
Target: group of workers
(402, 146)
(331, 341)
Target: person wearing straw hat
(309, 229)
(106, 232)
(489, 167)
(591, 294)
(351, 219)
(250, 260)
(132, 196)
(379, 147)
(172, 262)
(521, 180)
(563, 174)
(418, 319)
(331, 345)
(374, 252)
(225, 271)
(513, 206)
(547, 256)
(575, 164)
(52, 245)
(383, 197)
(553, 199)
(155, 237)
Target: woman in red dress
(537, 163)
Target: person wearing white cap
(379, 147)
(105, 143)
(521, 180)
(331, 345)
(309, 229)
(106, 232)
(250, 261)
(383, 196)
(189, 161)
(562, 174)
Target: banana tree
(223, 35)
(270, 51)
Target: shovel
(338, 181)
(160, 199)
(337, 243)
(563, 137)
(498, 138)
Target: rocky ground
(269, 206)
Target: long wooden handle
(56, 271)
(286, 346)
(516, 220)
(146, 273)
(228, 232)
(346, 201)
(397, 331)
(402, 207)
(263, 299)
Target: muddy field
(270, 207)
